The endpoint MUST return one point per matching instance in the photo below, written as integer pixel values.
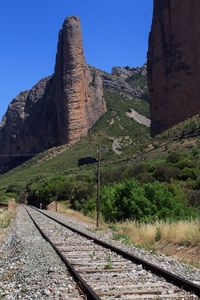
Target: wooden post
(56, 205)
(98, 188)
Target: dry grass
(179, 233)
(182, 233)
(63, 208)
(5, 218)
(180, 239)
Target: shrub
(143, 203)
(193, 197)
(197, 183)
(173, 157)
(89, 206)
(76, 189)
(112, 175)
(144, 178)
(131, 202)
(137, 169)
(160, 198)
(165, 172)
(185, 162)
(188, 173)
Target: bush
(89, 206)
(76, 189)
(165, 172)
(193, 197)
(143, 203)
(187, 173)
(138, 169)
(168, 201)
(173, 157)
(144, 178)
(197, 183)
(185, 162)
(113, 174)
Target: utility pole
(56, 205)
(98, 187)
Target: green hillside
(168, 167)
(61, 160)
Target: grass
(178, 233)
(109, 264)
(5, 218)
(117, 107)
(138, 81)
(63, 207)
(180, 239)
(124, 238)
(191, 124)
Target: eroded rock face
(59, 109)
(174, 62)
(79, 93)
(95, 103)
(119, 81)
(29, 126)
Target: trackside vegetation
(158, 189)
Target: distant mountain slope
(113, 131)
(30, 124)
(118, 136)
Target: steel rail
(169, 276)
(91, 295)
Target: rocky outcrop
(123, 80)
(174, 62)
(59, 109)
(29, 126)
(126, 72)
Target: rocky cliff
(59, 109)
(174, 62)
(126, 81)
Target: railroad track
(103, 271)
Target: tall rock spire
(72, 84)
(174, 62)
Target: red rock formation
(174, 62)
(79, 94)
(59, 109)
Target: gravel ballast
(166, 262)
(30, 268)
(99, 267)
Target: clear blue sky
(115, 33)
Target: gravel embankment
(30, 268)
(166, 262)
